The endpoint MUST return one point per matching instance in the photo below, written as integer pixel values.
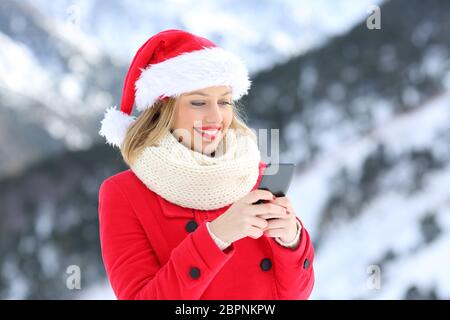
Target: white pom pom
(114, 126)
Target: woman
(181, 223)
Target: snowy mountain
(54, 84)
(366, 116)
(50, 222)
(369, 125)
(75, 54)
(403, 225)
(262, 32)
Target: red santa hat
(168, 64)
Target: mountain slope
(365, 117)
(54, 85)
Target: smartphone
(277, 183)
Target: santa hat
(168, 64)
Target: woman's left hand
(282, 226)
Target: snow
(18, 284)
(70, 88)
(44, 220)
(399, 133)
(262, 32)
(436, 60)
(19, 70)
(99, 291)
(23, 74)
(390, 222)
(84, 30)
(427, 268)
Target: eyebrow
(204, 94)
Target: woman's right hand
(242, 217)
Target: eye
(198, 104)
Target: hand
(282, 226)
(242, 220)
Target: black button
(306, 264)
(191, 226)
(194, 272)
(265, 264)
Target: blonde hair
(155, 121)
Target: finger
(282, 201)
(276, 223)
(258, 222)
(256, 195)
(268, 208)
(287, 206)
(274, 216)
(275, 233)
(255, 233)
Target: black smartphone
(279, 179)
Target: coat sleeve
(130, 261)
(294, 270)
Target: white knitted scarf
(194, 180)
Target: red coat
(154, 249)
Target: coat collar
(172, 210)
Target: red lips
(205, 134)
(208, 128)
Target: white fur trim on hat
(114, 126)
(191, 71)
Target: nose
(215, 114)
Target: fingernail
(274, 197)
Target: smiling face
(203, 117)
